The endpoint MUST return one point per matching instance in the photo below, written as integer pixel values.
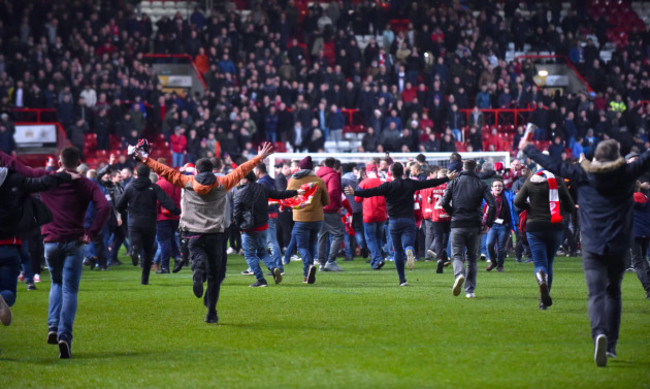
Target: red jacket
(374, 208)
(332, 180)
(179, 143)
(175, 194)
(431, 208)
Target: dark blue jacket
(605, 201)
(269, 183)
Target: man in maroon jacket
(64, 239)
(332, 224)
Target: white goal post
(441, 159)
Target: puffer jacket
(256, 196)
(463, 200)
(314, 211)
(333, 181)
(204, 195)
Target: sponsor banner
(37, 134)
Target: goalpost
(441, 159)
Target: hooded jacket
(333, 181)
(605, 196)
(141, 197)
(204, 195)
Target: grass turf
(355, 329)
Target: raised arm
(40, 184)
(12, 163)
(381, 190)
(556, 166)
(230, 180)
(640, 166)
(281, 194)
(175, 177)
(430, 183)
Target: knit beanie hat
(306, 163)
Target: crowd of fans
(281, 76)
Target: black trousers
(207, 253)
(143, 241)
(119, 235)
(285, 225)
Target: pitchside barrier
(440, 159)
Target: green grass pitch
(354, 329)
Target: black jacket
(399, 194)
(14, 190)
(463, 199)
(255, 197)
(605, 193)
(140, 197)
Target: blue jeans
(306, 234)
(254, 246)
(64, 260)
(167, 240)
(271, 136)
(543, 246)
(25, 263)
(402, 231)
(9, 270)
(290, 250)
(498, 234)
(178, 159)
(272, 242)
(374, 236)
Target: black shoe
(92, 262)
(178, 265)
(311, 274)
(31, 286)
(277, 275)
(197, 279)
(380, 265)
(259, 284)
(212, 318)
(64, 349)
(51, 336)
(135, 258)
(440, 267)
(491, 266)
(162, 271)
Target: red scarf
(553, 195)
